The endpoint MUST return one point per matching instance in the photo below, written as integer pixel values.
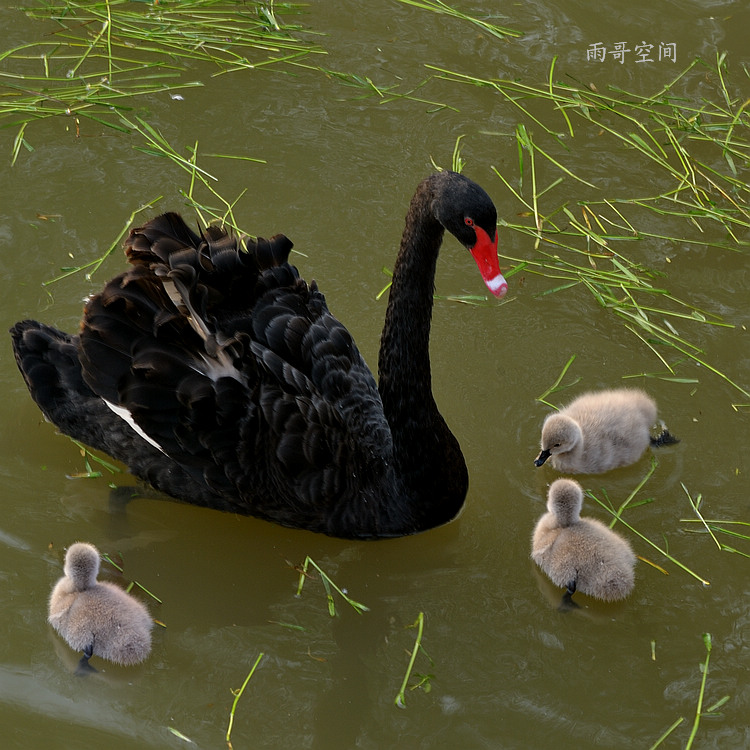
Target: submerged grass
(104, 55)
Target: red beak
(485, 256)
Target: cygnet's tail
(665, 437)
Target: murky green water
(506, 669)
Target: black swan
(220, 377)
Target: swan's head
(469, 214)
(565, 500)
(82, 565)
(560, 434)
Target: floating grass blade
(617, 517)
(437, 6)
(93, 265)
(90, 473)
(457, 162)
(238, 695)
(424, 679)
(635, 491)
(180, 736)
(699, 707)
(667, 733)
(719, 527)
(556, 385)
(382, 92)
(107, 557)
(329, 587)
(695, 504)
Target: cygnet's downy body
(581, 554)
(98, 617)
(601, 431)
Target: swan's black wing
(231, 367)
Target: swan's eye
(469, 221)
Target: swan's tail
(48, 361)
(665, 437)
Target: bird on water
(601, 430)
(98, 617)
(219, 376)
(581, 554)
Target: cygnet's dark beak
(542, 457)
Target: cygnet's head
(82, 565)
(560, 434)
(565, 500)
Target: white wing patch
(124, 414)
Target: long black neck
(427, 456)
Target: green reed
(108, 558)
(617, 517)
(329, 587)
(711, 711)
(104, 56)
(697, 150)
(424, 679)
(237, 696)
(441, 8)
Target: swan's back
(240, 372)
(245, 393)
(614, 412)
(98, 618)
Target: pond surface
(502, 667)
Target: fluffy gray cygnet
(98, 617)
(600, 431)
(581, 554)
